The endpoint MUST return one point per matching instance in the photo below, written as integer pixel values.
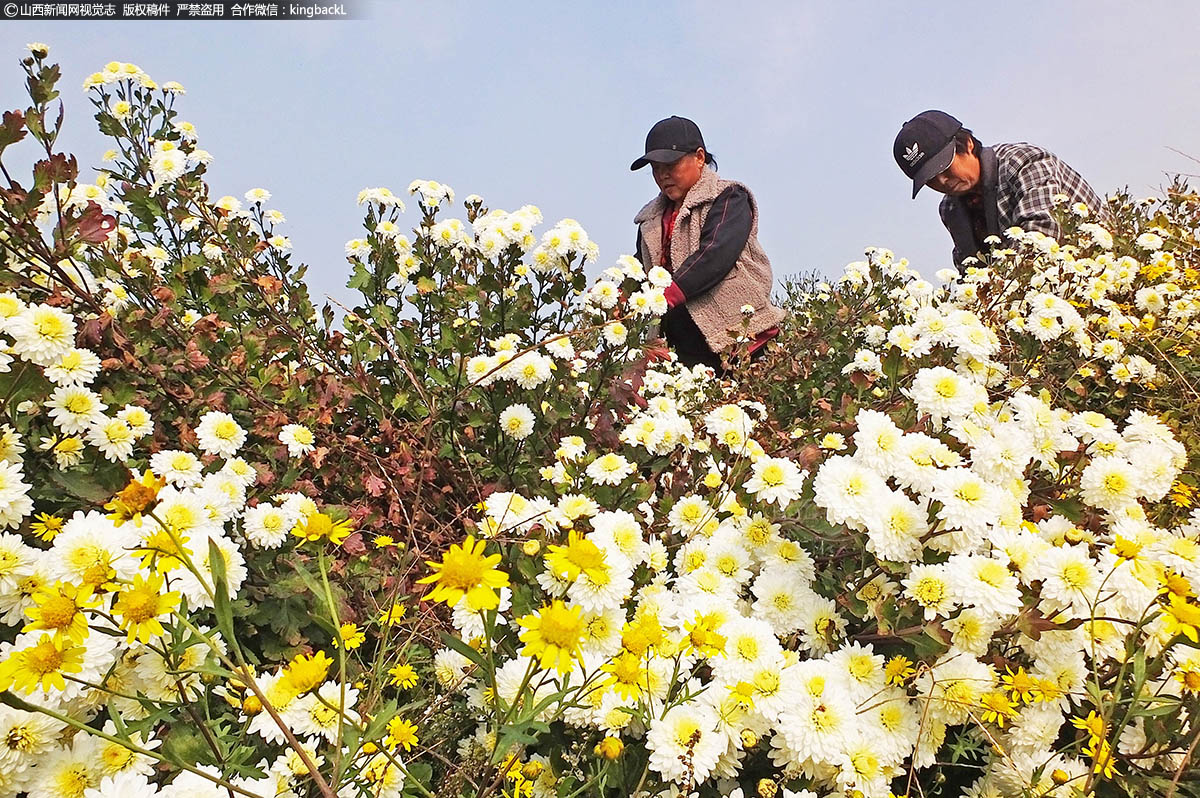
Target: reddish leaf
(95, 224)
(354, 545)
(374, 485)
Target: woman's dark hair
(961, 138)
(710, 160)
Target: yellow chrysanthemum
(553, 635)
(141, 605)
(306, 671)
(702, 635)
(46, 527)
(61, 609)
(403, 676)
(579, 556)
(401, 733)
(135, 498)
(41, 665)
(466, 571)
(320, 525)
(351, 636)
(392, 615)
(1182, 618)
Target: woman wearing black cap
(703, 230)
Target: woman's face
(676, 179)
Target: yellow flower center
(946, 387)
(1115, 483)
(991, 572)
(772, 476)
(560, 626)
(929, 590)
(1074, 575)
(969, 492)
(226, 429)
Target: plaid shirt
(1018, 183)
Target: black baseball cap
(924, 147)
(669, 140)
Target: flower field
(480, 535)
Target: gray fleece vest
(718, 312)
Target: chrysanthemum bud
(767, 788)
(531, 547)
(610, 748)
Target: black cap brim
(657, 156)
(933, 167)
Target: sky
(549, 102)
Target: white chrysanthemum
(860, 669)
(75, 367)
(604, 294)
(15, 503)
(877, 441)
(1069, 578)
(689, 514)
(74, 409)
(953, 686)
(41, 334)
(320, 713)
(846, 489)
(986, 583)
(517, 421)
(777, 480)
(971, 630)
(619, 529)
(166, 167)
(219, 434)
(138, 419)
(184, 513)
(223, 494)
(1110, 483)
(25, 737)
(298, 439)
(822, 625)
(528, 370)
(969, 502)
(942, 393)
(197, 592)
(895, 527)
(687, 733)
(92, 550)
(931, 587)
(609, 469)
(113, 438)
(816, 726)
(67, 772)
(615, 333)
(266, 526)
(781, 597)
(126, 784)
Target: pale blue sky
(548, 102)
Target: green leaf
(474, 656)
(221, 608)
(185, 744)
(379, 720)
(95, 485)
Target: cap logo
(912, 154)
